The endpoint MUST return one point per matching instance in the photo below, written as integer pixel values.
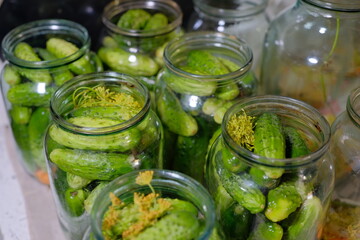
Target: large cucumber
(30, 94)
(204, 61)
(120, 113)
(92, 165)
(122, 141)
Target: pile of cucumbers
(29, 91)
(259, 202)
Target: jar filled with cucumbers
(204, 74)
(269, 170)
(40, 56)
(102, 127)
(154, 204)
(135, 33)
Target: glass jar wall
(102, 127)
(135, 33)
(246, 20)
(343, 218)
(204, 74)
(311, 53)
(191, 214)
(269, 170)
(40, 56)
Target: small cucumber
(122, 141)
(269, 141)
(20, 115)
(25, 52)
(220, 112)
(134, 19)
(204, 61)
(295, 144)
(21, 135)
(156, 21)
(211, 105)
(181, 205)
(74, 200)
(62, 48)
(30, 94)
(266, 230)
(89, 201)
(92, 165)
(11, 75)
(228, 92)
(261, 179)
(173, 116)
(232, 163)
(76, 182)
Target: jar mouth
(59, 108)
(38, 32)
(353, 106)
(230, 9)
(238, 48)
(293, 113)
(336, 5)
(168, 182)
(170, 8)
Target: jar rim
(118, 6)
(336, 5)
(93, 78)
(253, 8)
(311, 115)
(163, 179)
(353, 106)
(210, 39)
(41, 27)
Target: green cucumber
(156, 21)
(120, 113)
(204, 61)
(173, 116)
(90, 199)
(231, 162)
(211, 105)
(76, 182)
(20, 115)
(92, 165)
(74, 200)
(269, 141)
(30, 94)
(134, 19)
(228, 92)
(266, 230)
(295, 144)
(122, 141)
(261, 179)
(25, 52)
(61, 48)
(21, 135)
(11, 75)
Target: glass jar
(134, 50)
(246, 20)
(193, 91)
(257, 195)
(343, 219)
(311, 53)
(102, 127)
(37, 62)
(170, 185)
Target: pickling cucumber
(11, 75)
(76, 182)
(295, 144)
(92, 165)
(266, 230)
(204, 61)
(20, 115)
(120, 113)
(134, 19)
(75, 201)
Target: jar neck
(336, 5)
(169, 184)
(231, 10)
(61, 103)
(168, 7)
(30, 33)
(353, 106)
(224, 44)
(292, 112)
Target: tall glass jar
(102, 127)
(204, 74)
(246, 20)
(132, 47)
(171, 185)
(311, 53)
(40, 56)
(343, 219)
(258, 196)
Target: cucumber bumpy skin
(269, 141)
(10, 75)
(204, 61)
(295, 144)
(266, 230)
(134, 19)
(92, 165)
(62, 48)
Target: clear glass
(343, 217)
(242, 194)
(169, 184)
(138, 52)
(27, 85)
(191, 106)
(83, 157)
(246, 20)
(311, 53)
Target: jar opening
(169, 184)
(219, 44)
(62, 103)
(336, 5)
(292, 112)
(36, 34)
(230, 9)
(353, 106)
(114, 9)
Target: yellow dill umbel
(240, 127)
